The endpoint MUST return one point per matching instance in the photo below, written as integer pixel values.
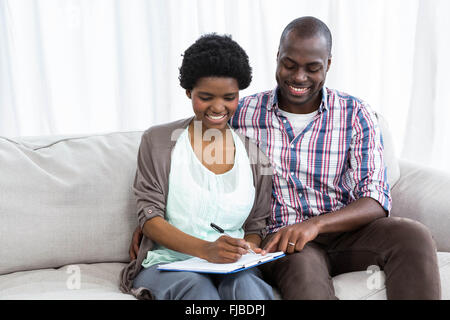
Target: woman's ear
(188, 93)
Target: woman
(198, 171)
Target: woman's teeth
(217, 117)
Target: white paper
(201, 265)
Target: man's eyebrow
(289, 59)
(314, 63)
(308, 64)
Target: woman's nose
(218, 107)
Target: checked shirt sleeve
(367, 168)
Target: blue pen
(220, 230)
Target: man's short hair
(308, 27)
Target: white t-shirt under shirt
(299, 121)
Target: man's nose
(300, 76)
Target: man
(331, 200)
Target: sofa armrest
(423, 194)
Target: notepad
(202, 266)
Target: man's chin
(297, 101)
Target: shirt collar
(274, 96)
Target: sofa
(67, 213)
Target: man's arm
(370, 189)
(351, 217)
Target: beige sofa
(67, 214)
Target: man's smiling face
(302, 66)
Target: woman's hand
(256, 249)
(254, 241)
(225, 250)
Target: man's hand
(351, 217)
(135, 242)
(293, 238)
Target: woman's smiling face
(214, 101)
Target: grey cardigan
(151, 185)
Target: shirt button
(149, 211)
(292, 146)
(284, 121)
(300, 195)
(292, 172)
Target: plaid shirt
(335, 160)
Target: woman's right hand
(225, 250)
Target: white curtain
(86, 66)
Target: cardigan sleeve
(259, 216)
(149, 186)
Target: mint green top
(197, 197)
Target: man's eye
(315, 69)
(230, 98)
(204, 98)
(289, 66)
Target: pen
(220, 230)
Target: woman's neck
(213, 147)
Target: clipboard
(203, 266)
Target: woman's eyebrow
(230, 94)
(204, 93)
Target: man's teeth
(216, 117)
(298, 90)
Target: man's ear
(329, 63)
(188, 93)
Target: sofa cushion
(369, 285)
(84, 281)
(66, 200)
(100, 281)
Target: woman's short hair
(214, 55)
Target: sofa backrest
(66, 200)
(390, 156)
